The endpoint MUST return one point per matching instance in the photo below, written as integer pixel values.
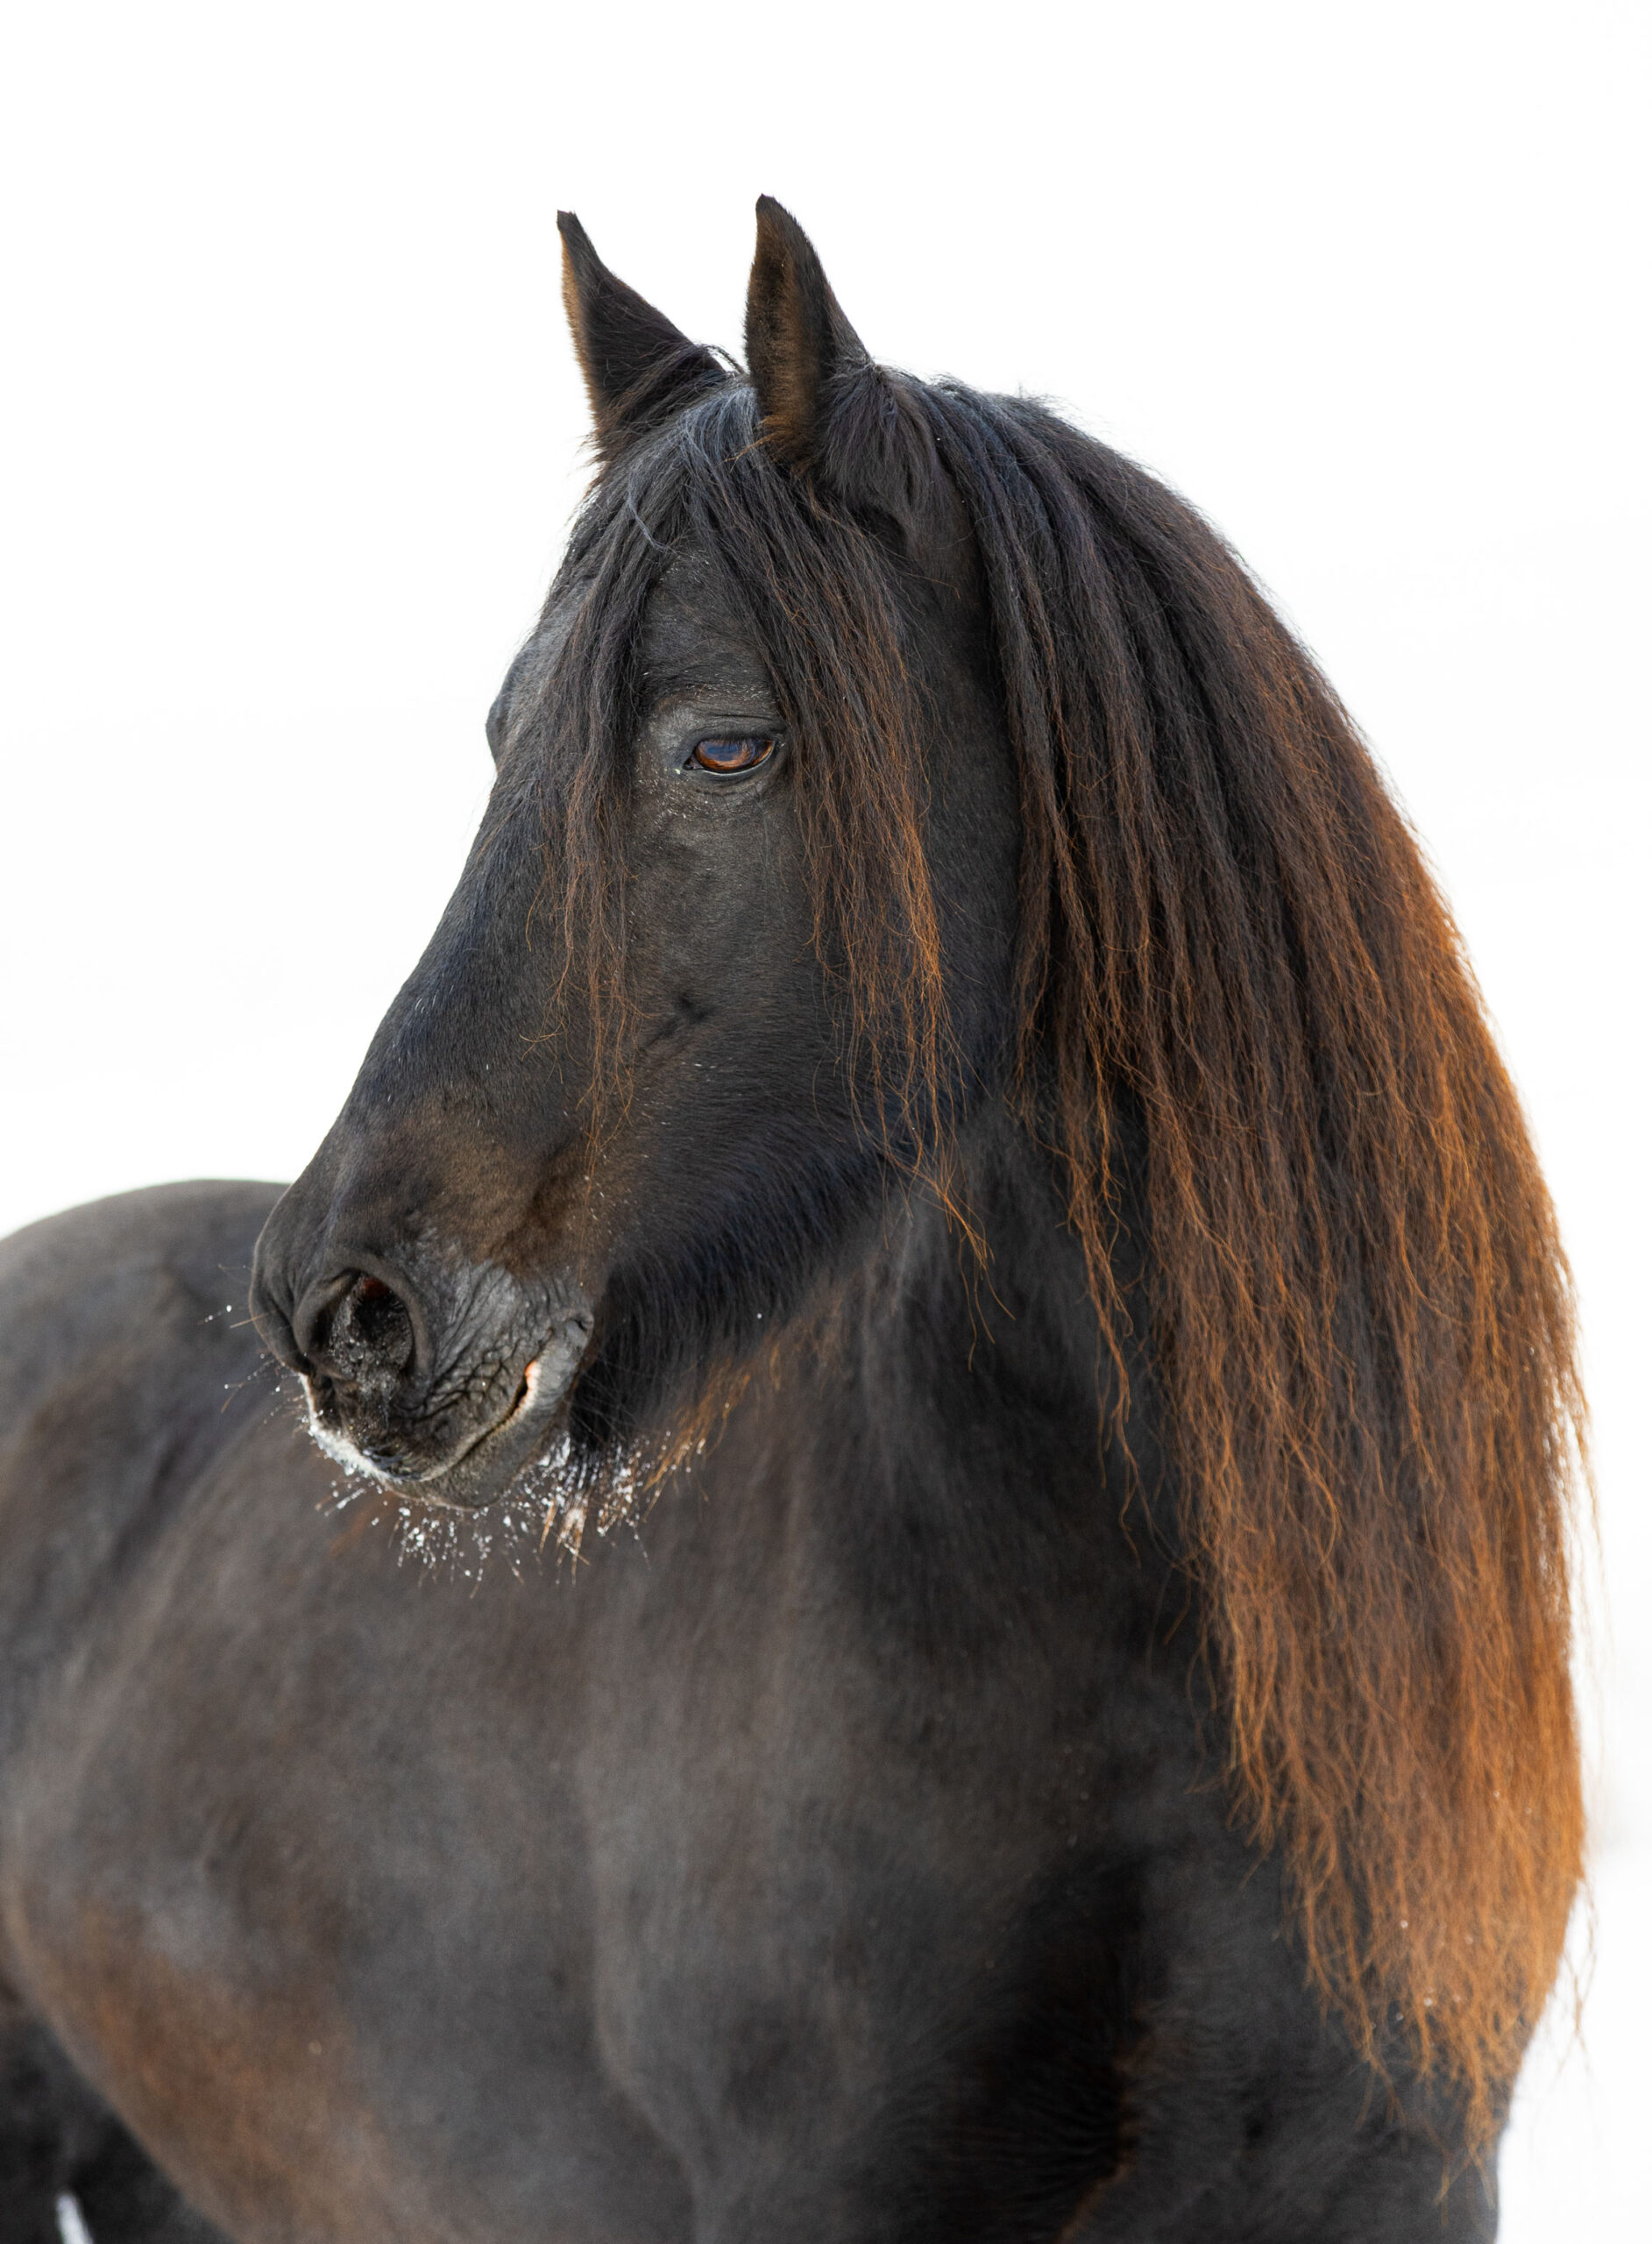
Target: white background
(291, 432)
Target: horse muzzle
(440, 1379)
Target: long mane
(1363, 1324)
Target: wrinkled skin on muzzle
(485, 1258)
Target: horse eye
(725, 756)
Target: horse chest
(671, 1883)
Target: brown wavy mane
(1363, 1323)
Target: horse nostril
(358, 1331)
(380, 1320)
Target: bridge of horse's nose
(357, 1330)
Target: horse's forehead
(691, 620)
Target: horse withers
(897, 1572)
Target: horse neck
(941, 1439)
(981, 1312)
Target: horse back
(126, 1356)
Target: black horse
(942, 1234)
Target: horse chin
(489, 1460)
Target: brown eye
(725, 756)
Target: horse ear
(828, 411)
(801, 349)
(639, 369)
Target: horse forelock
(1363, 1319)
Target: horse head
(733, 947)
